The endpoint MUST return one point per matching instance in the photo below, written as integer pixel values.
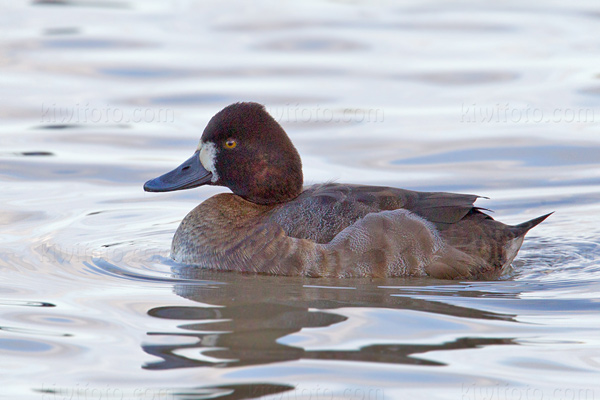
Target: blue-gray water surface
(500, 99)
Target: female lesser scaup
(272, 225)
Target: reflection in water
(248, 327)
(222, 392)
(240, 335)
(234, 392)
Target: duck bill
(188, 175)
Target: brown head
(244, 149)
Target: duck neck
(275, 189)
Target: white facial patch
(208, 157)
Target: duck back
(323, 211)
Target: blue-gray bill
(188, 175)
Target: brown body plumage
(271, 225)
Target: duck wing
(322, 211)
(441, 208)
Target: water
(496, 99)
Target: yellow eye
(230, 143)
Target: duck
(271, 223)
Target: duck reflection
(243, 319)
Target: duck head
(244, 149)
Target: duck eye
(230, 143)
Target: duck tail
(523, 228)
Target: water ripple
(25, 303)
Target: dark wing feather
(442, 208)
